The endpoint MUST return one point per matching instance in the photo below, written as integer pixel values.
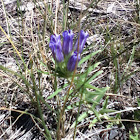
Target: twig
(56, 11)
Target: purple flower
(72, 61)
(82, 41)
(67, 41)
(55, 45)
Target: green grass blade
(88, 57)
(56, 92)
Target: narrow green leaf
(56, 92)
(94, 93)
(40, 71)
(99, 97)
(138, 100)
(90, 68)
(80, 118)
(89, 100)
(93, 122)
(102, 111)
(87, 85)
(95, 75)
(43, 64)
(105, 102)
(88, 57)
(96, 114)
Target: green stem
(75, 128)
(47, 136)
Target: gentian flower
(72, 61)
(58, 51)
(67, 42)
(82, 40)
(55, 45)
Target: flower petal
(58, 55)
(82, 41)
(72, 61)
(67, 41)
(55, 45)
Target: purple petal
(67, 41)
(55, 45)
(82, 41)
(72, 61)
(58, 55)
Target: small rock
(113, 134)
